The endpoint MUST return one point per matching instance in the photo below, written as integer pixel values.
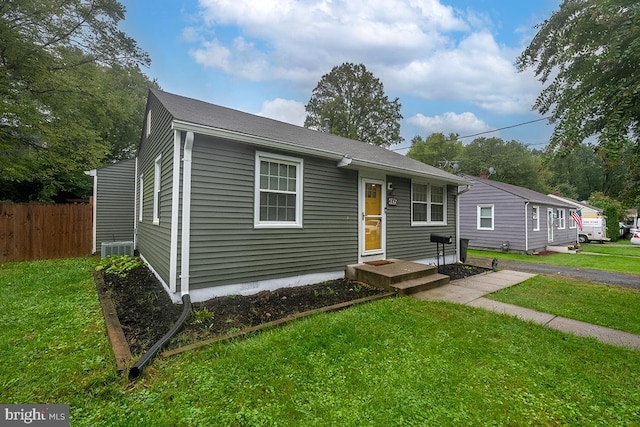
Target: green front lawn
(611, 306)
(620, 248)
(393, 362)
(608, 263)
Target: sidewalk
(471, 291)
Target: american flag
(577, 217)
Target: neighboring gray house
(229, 202)
(113, 203)
(499, 216)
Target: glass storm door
(373, 217)
(550, 225)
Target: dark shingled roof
(212, 116)
(524, 193)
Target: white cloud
(285, 110)
(462, 124)
(417, 47)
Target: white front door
(372, 220)
(549, 225)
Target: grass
(393, 362)
(621, 248)
(616, 264)
(611, 306)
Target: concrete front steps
(403, 277)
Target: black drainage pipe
(136, 371)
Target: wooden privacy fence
(31, 231)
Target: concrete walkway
(471, 291)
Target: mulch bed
(146, 311)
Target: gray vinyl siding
(509, 221)
(225, 246)
(412, 242)
(153, 241)
(115, 202)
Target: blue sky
(450, 62)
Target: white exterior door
(372, 233)
(550, 225)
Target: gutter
(271, 143)
(186, 214)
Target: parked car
(635, 237)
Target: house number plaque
(392, 201)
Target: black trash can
(464, 244)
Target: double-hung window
(572, 221)
(561, 219)
(157, 176)
(278, 191)
(428, 204)
(485, 217)
(535, 216)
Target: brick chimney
(484, 174)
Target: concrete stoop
(403, 277)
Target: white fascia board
(259, 141)
(254, 140)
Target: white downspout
(175, 201)
(136, 203)
(526, 227)
(186, 214)
(94, 173)
(458, 221)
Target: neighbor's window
(485, 217)
(428, 204)
(141, 200)
(535, 216)
(561, 219)
(157, 174)
(278, 191)
(572, 222)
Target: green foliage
(353, 100)
(436, 149)
(587, 54)
(71, 94)
(119, 265)
(202, 315)
(612, 209)
(513, 162)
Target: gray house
(499, 216)
(113, 203)
(232, 203)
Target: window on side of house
(278, 191)
(428, 204)
(157, 176)
(485, 217)
(141, 197)
(148, 123)
(535, 217)
(572, 222)
(561, 219)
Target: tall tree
(436, 149)
(587, 55)
(57, 64)
(353, 101)
(512, 161)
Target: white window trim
(299, 163)
(148, 129)
(157, 177)
(141, 200)
(562, 220)
(572, 222)
(536, 220)
(493, 214)
(429, 203)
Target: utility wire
(490, 131)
